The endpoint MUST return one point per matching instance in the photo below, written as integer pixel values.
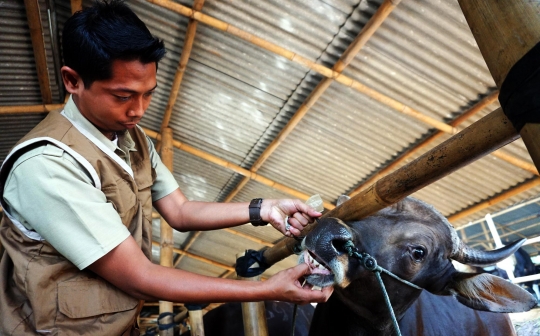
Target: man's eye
(122, 98)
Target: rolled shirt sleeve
(165, 182)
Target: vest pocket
(121, 196)
(92, 297)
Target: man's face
(118, 103)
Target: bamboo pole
(505, 31)
(477, 140)
(535, 182)
(166, 232)
(182, 64)
(38, 44)
(242, 171)
(327, 72)
(76, 5)
(253, 313)
(30, 108)
(196, 322)
(181, 69)
(346, 58)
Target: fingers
(289, 216)
(306, 210)
(291, 284)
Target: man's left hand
(297, 214)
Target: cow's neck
(344, 314)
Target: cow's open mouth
(321, 274)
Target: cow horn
(469, 256)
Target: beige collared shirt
(51, 193)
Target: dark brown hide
(415, 242)
(436, 315)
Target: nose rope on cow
(371, 265)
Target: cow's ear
(490, 293)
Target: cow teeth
(317, 288)
(313, 261)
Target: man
(78, 190)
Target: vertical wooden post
(196, 322)
(505, 30)
(38, 44)
(166, 234)
(253, 313)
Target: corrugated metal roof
(235, 98)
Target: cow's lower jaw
(323, 274)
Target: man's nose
(137, 108)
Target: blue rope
(371, 264)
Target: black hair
(109, 30)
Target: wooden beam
(182, 64)
(505, 31)
(166, 231)
(504, 196)
(487, 134)
(30, 108)
(346, 58)
(38, 44)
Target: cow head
(415, 242)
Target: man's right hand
(287, 286)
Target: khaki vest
(42, 292)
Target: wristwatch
(255, 212)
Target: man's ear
(490, 293)
(72, 81)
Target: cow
(413, 241)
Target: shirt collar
(124, 140)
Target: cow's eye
(418, 253)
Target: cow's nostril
(339, 245)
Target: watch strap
(255, 212)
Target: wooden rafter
(346, 58)
(30, 108)
(182, 64)
(38, 44)
(506, 30)
(535, 182)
